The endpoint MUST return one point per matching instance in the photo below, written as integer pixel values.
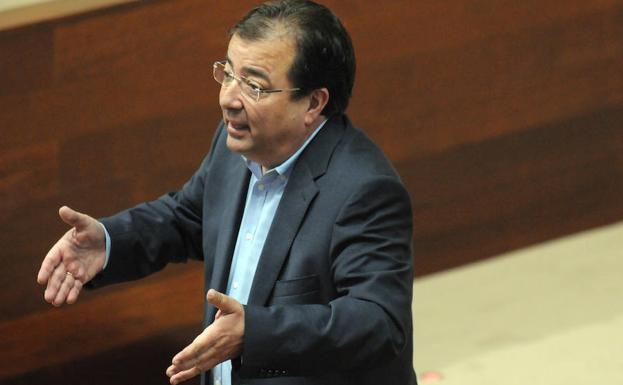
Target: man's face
(267, 131)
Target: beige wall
(16, 13)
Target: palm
(80, 254)
(74, 260)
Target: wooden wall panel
(505, 120)
(501, 83)
(106, 321)
(494, 196)
(26, 60)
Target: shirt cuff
(107, 245)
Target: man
(297, 215)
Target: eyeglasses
(249, 88)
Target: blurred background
(504, 119)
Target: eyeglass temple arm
(279, 90)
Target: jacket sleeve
(370, 319)
(148, 236)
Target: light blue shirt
(263, 197)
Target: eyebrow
(251, 71)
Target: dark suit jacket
(331, 299)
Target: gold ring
(69, 274)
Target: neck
(310, 129)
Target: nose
(230, 97)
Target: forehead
(272, 55)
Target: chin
(239, 146)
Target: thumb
(224, 303)
(73, 218)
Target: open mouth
(237, 129)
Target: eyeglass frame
(259, 91)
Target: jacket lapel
(298, 195)
(237, 181)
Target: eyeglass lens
(224, 77)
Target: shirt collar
(286, 167)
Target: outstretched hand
(220, 341)
(74, 260)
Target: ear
(318, 99)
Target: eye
(254, 86)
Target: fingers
(62, 287)
(63, 291)
(70, 253)
(72, 297)
(73, 218)
(184, 375)
(87, 232)
(198, 354)
(220, 341)
(186, 364)
(224, 303)
(187, 358)
(70, 288)
(54, 257)
(183, 370)
(54, 283)
(51, 260)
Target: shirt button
(248, 236)
(217, 382)
(235, 285)
(260, 187)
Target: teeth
(237, 126)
